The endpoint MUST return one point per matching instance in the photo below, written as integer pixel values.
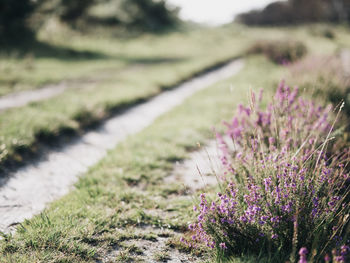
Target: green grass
(126, 191)
(54, 58)
(121, 72)
(317, 44)
(156, 63)
(77, 109)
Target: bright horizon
(216, 12)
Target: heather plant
(280, 52)
(285, 184)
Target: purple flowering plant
(285, 184)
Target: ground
(124, 209)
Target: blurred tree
(150, 14)
(275, 13)
(71, 10)
(13, 18)
(308, 11)
(278, 12)
(300, 11)
(68, 11)
(340, 10)
(20, 18)
(141, 14)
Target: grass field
(138, 68)
(155, 63)
(54, 59)
(126, 191)
(123, 200)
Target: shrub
(328, 33)
(283, 188)
(324, 31)
(283, 51)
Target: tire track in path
(23, 98)
(26, 192)
(200, 170)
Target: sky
(216, 12)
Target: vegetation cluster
(280, 52)
(299, 11)
(286, 183)
(27, 17)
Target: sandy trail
(200, 169)
(22, 98)
(27, 191)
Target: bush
(280, 52)
(283, 189)
(328, 33)
(322, 31)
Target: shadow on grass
(37, 49)
(153, 60)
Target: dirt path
(27, 191)
(22, 98)
(200, 170)
(152, 250)
(197, 172)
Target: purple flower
(223, 246)
(274, 236)
(344, 250)
(277, 177)
(303, 253)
